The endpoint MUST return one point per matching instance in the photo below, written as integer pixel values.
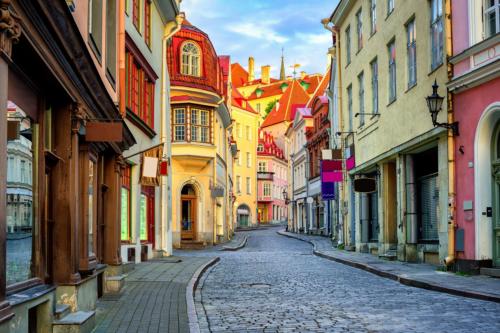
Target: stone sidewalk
(153, 299)
(416, 275)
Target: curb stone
(401, 278)
(194, 326)
(242, 244)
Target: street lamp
(434, 103)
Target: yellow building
(387, 65)
(201, 157)
(245, 132)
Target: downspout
(121, 58)
(450, 259)
(335, 30)
(171, 28)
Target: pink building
(271, 180)
(476, 103)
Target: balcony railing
(265, 175)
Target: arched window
(190, 59)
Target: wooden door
(188, 217)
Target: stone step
(76, 322)
(114, 284)
(192, 245)
(62, 310)
(495, 272)
(128, 266)
(389, 255)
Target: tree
(270, 106)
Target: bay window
(191, 125)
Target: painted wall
(469, 107)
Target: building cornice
(475, 77)
(339, 13)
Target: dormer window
(190, 59)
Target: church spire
(282, 72)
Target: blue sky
(260, 28)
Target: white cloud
(318, 38)
(263, 31)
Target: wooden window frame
(127, 185)
(188, 68)
(147, 22)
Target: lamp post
(434, 103)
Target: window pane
(491, 24)
(204, 118)
(179, 133)
(143, 217)
(179, 116)
(195, 117)
(195, 133)
(20, 213)
(205, 135)
(91, 217)
(125, 213)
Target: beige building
(389, 54)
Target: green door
(495, 167)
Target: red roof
(294, 97)
(239, 76)
(320, 88)
(314, 81)
(269, 146)
(241, 102)
(272, 89)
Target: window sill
(389, 14)
(140, 124)
(31, 293)
(411, 87)
(391, 102)
(435, 69)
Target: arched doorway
(495, 212)
(188, 212)
(243, 215)
(487, 202)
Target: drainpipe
(171, 28)
(338, 59)
(450, 259)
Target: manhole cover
(256, 285)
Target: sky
(261, 28)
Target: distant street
(276, 284)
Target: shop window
(20, 217)
(92, 205)
(143, 217)
(125, 204)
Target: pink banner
(332, 177)
(350, 163)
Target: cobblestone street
(276, 284)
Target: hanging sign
(150, 167)
(365, 185)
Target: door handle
(488, 212)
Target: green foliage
(270, 106)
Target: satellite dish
(365, 185)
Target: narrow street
(276, 284)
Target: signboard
(96, 131)
(365, 185)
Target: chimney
(265, 74)
(251, 73)
(303, 75)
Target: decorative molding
(10, 29)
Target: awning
(243, 211)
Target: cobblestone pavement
(275, 284)
(153, 299)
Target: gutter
(450, 259)
(170, 29)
